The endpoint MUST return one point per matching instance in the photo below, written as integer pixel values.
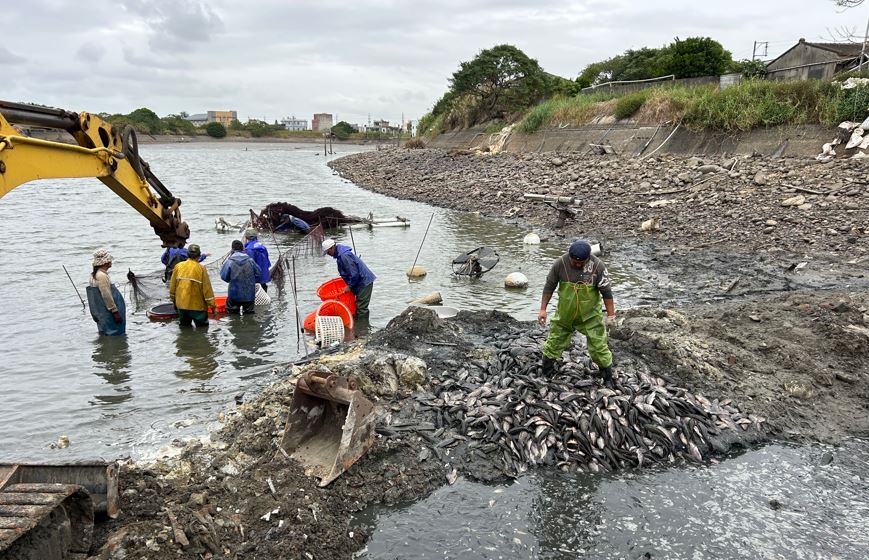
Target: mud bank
(797, 364)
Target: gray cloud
(8, 57)
(272, 58)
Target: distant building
(292, 123)
(321, 122)
(381, 126)
(814, 61)
(199, 119)
(223, 117)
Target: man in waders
(583, 281)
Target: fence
(628, 86)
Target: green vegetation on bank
(502, 85)
(749, 104)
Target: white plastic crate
(328, 329)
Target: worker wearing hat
(105, 300)
(583, 285)
(190, 290)
(357, 275)
(260, 255)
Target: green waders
(579, 309)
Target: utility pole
(761, 44)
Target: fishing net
(270, 216)
(145, 290)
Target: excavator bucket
(47, 511)
(330, 425)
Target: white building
(292, 123)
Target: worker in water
(359, 278)
(583, 284)
(241, 272)
(258, 252)
(190, 290)
(104, 299)
(290, 222)
(174, 255)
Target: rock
(760, 178)
(709, 169)
(651, 224)
(412, 371)
(771, 222)
(826, 458)
(797, 200)
(516, 280)
(531, 239)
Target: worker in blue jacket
(241, 272)
(260, 255)
(357, 275)
(290, 222)
(174, 255)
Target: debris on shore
(697, 201)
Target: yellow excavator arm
(103, 152)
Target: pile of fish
(505, 407)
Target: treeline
(146, 121)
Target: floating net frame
(328, 330)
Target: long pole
(352, 241)
(296, 305)
(863, 50)
(423, 240)
(74, 287)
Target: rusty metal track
(44, 521)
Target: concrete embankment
(631, 139)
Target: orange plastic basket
(334, 290)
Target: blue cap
(580, 250)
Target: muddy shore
(771, 317)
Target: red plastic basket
(220, 303)
(335, 307)
(333, 290)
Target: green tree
(176, 124)
(146, 120)
(236, 125)
(215, 130)
(750, 68)
(342, 130)
(501, 80)
(694, 57)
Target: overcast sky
(274, 58)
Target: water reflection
(111, 358)
(199, 351)
(248, 334)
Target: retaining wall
(632, 139)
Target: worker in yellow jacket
(190, 290)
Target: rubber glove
(117, 315)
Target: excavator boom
(101, 151)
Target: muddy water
(774, 502)
(129, 396)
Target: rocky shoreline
(770, 340)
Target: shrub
(630, 103)
(215, 130)
(414, 144)
(852, 104)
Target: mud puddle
(810, 501)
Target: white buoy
(516, 280)
(416, 271)
(531, 239)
